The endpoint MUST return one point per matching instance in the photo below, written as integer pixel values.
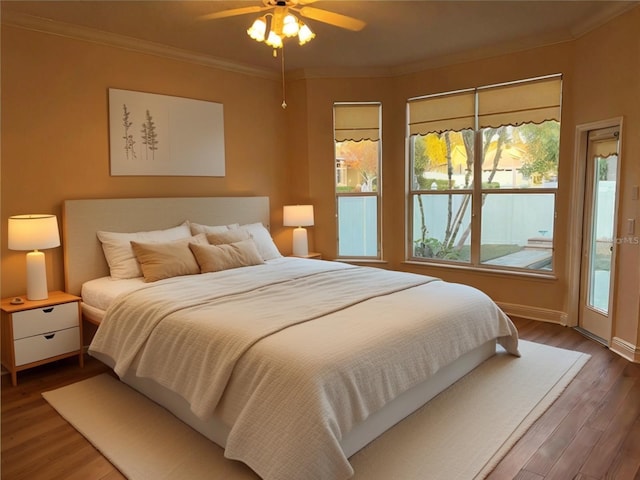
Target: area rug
(461, 434)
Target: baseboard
(622, 347)
(625, 349)
(534, 313)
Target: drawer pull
(47, 310)
(49, 336)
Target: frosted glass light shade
(34, 232)
(258, 30)
(305, 34)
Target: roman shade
(441, 113)
(604, 143)
(530, 101)
(356, 122)
(518, 103)
(605, 148)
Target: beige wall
(607, 67)
(55, 143)
(55, 131)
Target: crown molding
(339, 72)
(612, 10)
(53, 27)
(480, 53)
(44, 25)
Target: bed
(291, 365)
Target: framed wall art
(152, 134)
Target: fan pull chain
(284, 101)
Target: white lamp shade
(298, 215)
(33, 232)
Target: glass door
(599, 233)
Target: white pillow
(197, 228)
(119, 254)
(263, 240)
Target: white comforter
(293, 353)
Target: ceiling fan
(279, 22)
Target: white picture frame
(151, 134)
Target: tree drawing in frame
(154, 134)
(149, 136)
(129, 142)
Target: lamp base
(36, 276)
(300, 243)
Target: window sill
(484, 270)
(362, 260)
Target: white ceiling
(399, 36)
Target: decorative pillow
(197, 228)
(263, 240)
(214, 258)
(230, 236)
(166, 260)
(119, 254)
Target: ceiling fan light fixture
(279, 24)
(305, 34)
(258, 30)
(274, 28)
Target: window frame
(377, 194)
(476, 191)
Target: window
(484, 175)
(357, 161)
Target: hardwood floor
(591, 432)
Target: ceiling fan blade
(332, 18)
(233, 12)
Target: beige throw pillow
(165, 260)
(230, 236)
(215, 258)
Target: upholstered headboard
(81, 219)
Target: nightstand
(315, 255)
(40, 331)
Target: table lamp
(34, 232)
(299, 216)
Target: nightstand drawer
(39, 347)
(46, 319)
